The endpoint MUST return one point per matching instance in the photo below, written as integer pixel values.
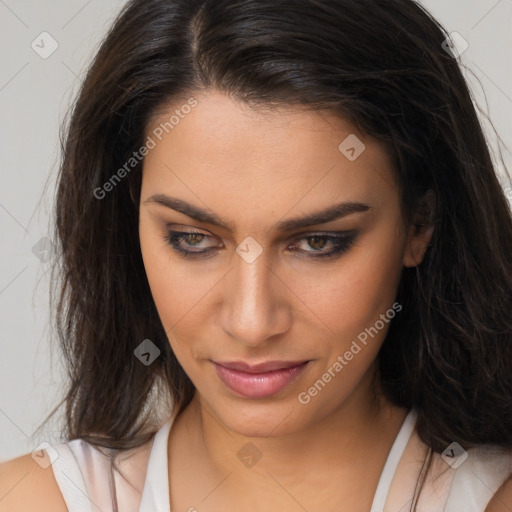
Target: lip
(267, 366)
(259, 380)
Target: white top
(83, 475)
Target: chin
(261, 419)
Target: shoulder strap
(69, 479)
(89, 483)
(127, 487)
(395, 454)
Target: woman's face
(260, 281)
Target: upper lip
(266, 366)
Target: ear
(421, 230)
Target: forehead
(235, 155)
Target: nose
(255, 307)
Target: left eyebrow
(329, 214)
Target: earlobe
(421, 231)
(417, 244)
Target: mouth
(259, 380)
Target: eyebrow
(331, 213)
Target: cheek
(352, 296)
(180, 291)
(174, 299)
(174, 292)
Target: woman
(282, 235)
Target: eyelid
(318, 232)
(173, 228)
(300, 234)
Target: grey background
(34, 96)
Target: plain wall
(35, 93)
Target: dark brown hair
(379, 64)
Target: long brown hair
(382, 65)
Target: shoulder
(28, 485)
(483, 479)
(502, 500)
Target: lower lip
(258, 385)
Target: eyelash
(342, 242)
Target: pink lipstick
(260, 380)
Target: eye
(190, 243)
(325, 245)
(194, 244)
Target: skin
(502, 500)
(253, 168)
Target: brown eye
(317, 242)
(338, 243)
(189, 243)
